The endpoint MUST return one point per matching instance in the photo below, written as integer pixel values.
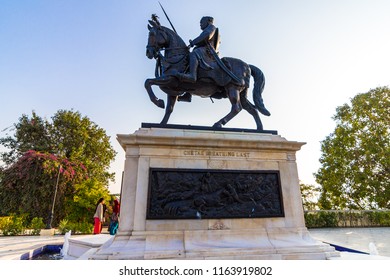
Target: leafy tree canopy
(69, 135)
(355, 171)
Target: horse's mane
(176, 39)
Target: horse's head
(157, 39)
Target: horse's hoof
(160, 103)
(217, 125)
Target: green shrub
(82, 228)
(64, 226)
(13, 225)
(4, 223)
(36, 225)
(76, 228)
(328, 219)
(379, 218)
(311, 220)
(355, 218)
(321, 219)
(374, 218)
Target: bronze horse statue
(211, 83)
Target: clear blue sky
(90, 56)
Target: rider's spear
(167, 17)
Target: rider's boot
(192, 75)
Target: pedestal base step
(275, 244)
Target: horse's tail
(258, 88)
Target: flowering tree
(28, 186)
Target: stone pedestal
(279, 236)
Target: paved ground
(356, 238)
(12, 247)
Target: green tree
(81, 206)
(355, 171)
(79, 138)
(68, 138)
(31, 133)
(310, 194)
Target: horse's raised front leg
(171, 103)
(148, 86)
(164, 81)
(234, 98)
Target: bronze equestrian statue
(208, 75)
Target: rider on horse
(205, 55)
(202, 53)
(209, 76)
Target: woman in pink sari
(98, 217)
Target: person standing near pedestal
(114, 217)
(98, 216)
